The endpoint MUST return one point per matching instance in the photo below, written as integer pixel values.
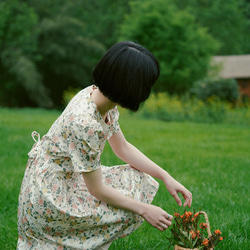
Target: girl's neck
(102, 102)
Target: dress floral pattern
(56, 211)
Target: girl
(68, 200)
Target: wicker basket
(176, 247)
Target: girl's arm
(131, 155)
(156, 216)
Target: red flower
(221, 238)
(176, 214)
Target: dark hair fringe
(126, 74)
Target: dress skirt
(56, 211)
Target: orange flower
(187, 214)
(193, 234)
(176, 214)
(203, 225)
(217, 231)
(198, 233)
(221, 238)
(196, 215)
(205, 242)
(182, 216)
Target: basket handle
(207, 222)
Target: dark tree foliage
(48, 46)
(182, 47)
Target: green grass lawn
(212, 160)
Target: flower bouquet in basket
(188, 232)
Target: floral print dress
(56, 211)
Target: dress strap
(35, 134)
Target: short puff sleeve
(84, 146)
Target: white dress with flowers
(56, 211)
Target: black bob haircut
(126, 74)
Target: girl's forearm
(109, 195)
(131, 155)
(116, 199)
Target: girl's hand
(157, 217)
(174, 187)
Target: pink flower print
(59, 248)
(89, 199)
(83, 151)
(49, 211)
(119, 220)
(80, 200)
(113, 171)
(40, 211)
(75, 206)
(62, 211)
(48, 229)
(55, 149)
(57, 233)
(55, 139)
(54, 187)
(40, 201)
(59, 199)
(46, 157)
(108, 180)
(105, 227)
(149, 196)
(72, 145)
(91, 131)
(142, 197)
(45, 170)
(72, 118)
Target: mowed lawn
(212, 160)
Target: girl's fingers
(188, 199)
(177, 198)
